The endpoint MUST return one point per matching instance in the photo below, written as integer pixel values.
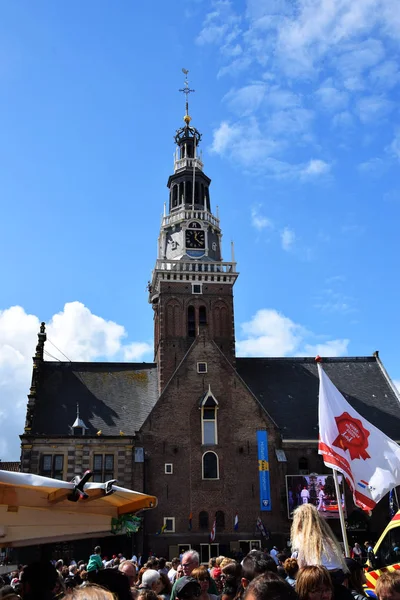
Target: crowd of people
(314, 569)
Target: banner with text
(263, 469)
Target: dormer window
(78, 428)
(209, 408)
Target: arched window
(203, 520)
(220, 520)
(202, 315)
(303, 466)
(174, 196)
(210, 466)
(191, 322)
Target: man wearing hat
(187, 588)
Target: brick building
(211, 435)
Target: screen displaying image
(315, 489)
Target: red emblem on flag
(352, 436)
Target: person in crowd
(314, 540)
(355, 579)
(255, 563)
(162, 566)
(231, 577)
(291, 567)
(165, 587)
(179, 572)
(128, 569)
(7, 592)
(388, 586)
(59, 565)
(172, 572)
(151, 581)
(202, 575)
(95, 563)
(211, 564)
(314, 583)
(216, 578)
(38, 581)
(146, 595)
(274, 553)
(190, 560)
(114, 581)
(269, 586)
(90, 592)
(357, 552)
(140, 576)
(187, 588)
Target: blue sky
(298, 105)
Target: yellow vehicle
(386, 552)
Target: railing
(184, 163)
(184, 214)
(182, 266)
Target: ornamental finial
(186, 90)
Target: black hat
(186, 587)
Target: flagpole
(341, 514)
(397, 500)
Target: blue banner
(263, 469)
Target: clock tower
(192, 287)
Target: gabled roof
(288, 390)
(112, 397)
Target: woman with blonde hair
(313, 540)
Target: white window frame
(173, 524)
(200, 286)
(168, 472)
(202, 362)
(203, 407)
(209, 552)
(202, 467)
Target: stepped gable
(288, 390)
(112, 397)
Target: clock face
(195, 239)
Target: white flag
(369, 460)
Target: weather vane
(186, 90)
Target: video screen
(315, 489)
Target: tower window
(220, 520)
(210, 466)
(203, 520)
(168, 468)
(191, 322)
(202, 367)
(197, 288)
(202, 315)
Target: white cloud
(394, 146)
(246, 100)
(270, 333)
(79, 333)
(330, 98)
(288, 237)
(316, 167)
(396, 383)
(258, 220)
(373, 108)
(374, 166)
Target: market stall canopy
(38, 510)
